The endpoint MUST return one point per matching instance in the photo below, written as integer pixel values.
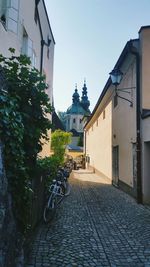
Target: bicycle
(58, 189)
(57, 192)
(64, 173)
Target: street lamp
(116, 77)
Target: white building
(117, 135)
(24, 25)
(74, 116)
(77, 111)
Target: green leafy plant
(48, 167)
(24, 109)
(59, 141)
(80, 141)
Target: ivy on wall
(24, 109)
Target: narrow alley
(97, 225)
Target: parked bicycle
(58, 189)
(64, 173)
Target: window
(3, 11)
(9, 13)
(27, 48)
(74, 120)
(80, 120)
(33, 60)
(24, 42)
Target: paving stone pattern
(97, 225)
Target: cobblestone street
(97, 225)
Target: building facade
(117, 135)
(25, 26)
(74, 121)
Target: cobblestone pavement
(97, 225)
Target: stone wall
(10, 241)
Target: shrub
(24, 106)
(48, 167)
(59, 140)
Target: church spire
(84, 99)
(75, 96)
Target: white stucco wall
(117, 129)
(77, 125)
(99, 143)
(124, 123)
(14, 39)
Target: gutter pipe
(138, 129)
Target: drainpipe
(42, 40)
(41, 60)
(138, 129)
(42, 50)
(85, 142)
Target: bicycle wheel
(61, 193)
(49, 210)
(67, 188)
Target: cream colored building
(25, 26)
(117, 135)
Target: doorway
(146, 173)
(115, 165)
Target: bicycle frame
(55, 190)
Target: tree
(24, 108)
(59, 141)
(62, 117)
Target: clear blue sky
(90, 36)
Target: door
(115, 163)
(134, 167)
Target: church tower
(75, 114)
(77, 111)
(76, 97)
(85, 103)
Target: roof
(56, 122)
(75, 148)
(76, 108)
(144, 27)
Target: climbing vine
(24, 124)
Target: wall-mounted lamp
(116, 77)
